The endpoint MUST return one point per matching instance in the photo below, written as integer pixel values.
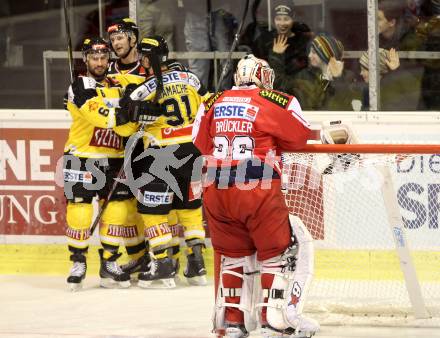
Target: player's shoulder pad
(280, 99)
(211, 100)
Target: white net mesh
(341, 200)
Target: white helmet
(253, 70)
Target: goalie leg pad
(285, 282)
(237, 292)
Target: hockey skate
(236, 331)
(111, 273)
(137, 265)
(78, 271)
(161, 270)
(195, 271)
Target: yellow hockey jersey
(126, 74)
(93, 133)
(181, 97)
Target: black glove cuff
(121, 116)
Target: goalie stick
(234, 45)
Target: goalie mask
(251, 70)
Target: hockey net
(375, 221)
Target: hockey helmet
(95, 45)
(251, 70)
(154, 46)
(125, 25)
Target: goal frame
(394, 215)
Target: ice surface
(42, 306)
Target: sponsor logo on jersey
(238, 111)
(167, 78)
(122, 231)
(106, 138)
(194, 81)
(157, 198)
(93, 105)
(238, 99)
(77, 234)
(77, 176)
(157, 230)
(274, 97)
(176, 132)
(211, 100)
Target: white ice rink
(37, 307)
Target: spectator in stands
(324, 84)
(207, 29)
(157, 18)
(388, 61)
(430, 33)
(298, 37)
(396, 30)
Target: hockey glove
(148, 112)
(339, 132)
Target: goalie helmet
(95, 45)
(154, 46)
(125, 25)
(251, 70)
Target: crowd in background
(304, 44)
(310, 63)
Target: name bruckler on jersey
(157, 198)
(227, 110)
(77, 176)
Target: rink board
(330, 264)
(32, 203)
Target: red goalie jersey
(249, 122)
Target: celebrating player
(172, 158)
(242, 132)
(93, 155)
(127, 69)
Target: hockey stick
(121, 172)
(234, 45)
(69, 41)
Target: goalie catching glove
(339, 132)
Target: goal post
(374, 213)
